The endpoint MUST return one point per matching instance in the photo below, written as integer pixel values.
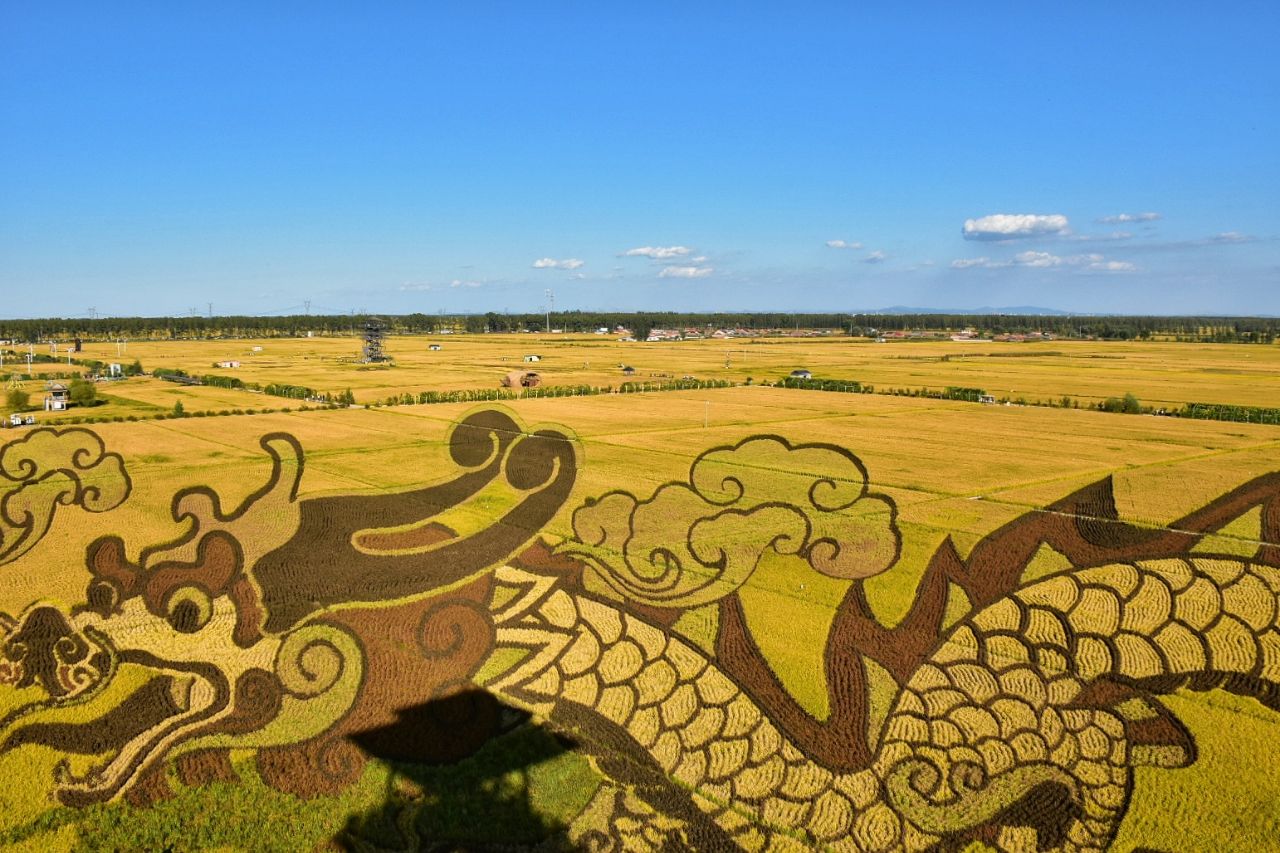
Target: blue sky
(1097, 157)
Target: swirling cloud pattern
(692, 543)
(52, 468)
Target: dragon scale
(996, 710)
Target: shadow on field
(477, 799)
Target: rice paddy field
(251, 751)
(1159, 374)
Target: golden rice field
(1159, 374)
(952, 469)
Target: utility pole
(307, 303)
(551, 306)
(210, 310)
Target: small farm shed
(434, 348)
(58, 399)
(801, 374)
(628, 370)
(521, 379)
(531, 358)
(987, 399)
(229, 364)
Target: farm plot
(1159, 374)
(645, 575)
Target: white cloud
(701, 259)
(1046, 260)
(876, 257)
(414, 286)
(657, 253)
(966, 263)
(553, 264)
(1112, 266)
(1231, 237)
(1039, 260)
(686, 272)
(457, 282)
(1011, 226)
(1121, 218)
(844, 244)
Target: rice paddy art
(287, 641)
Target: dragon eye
(190, 609)
(102, 596)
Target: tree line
(1198, 328)
(1203, 329)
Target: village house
(663, 335)
(801, 374)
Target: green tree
(83, 393)
(17, 399)
(178, 410)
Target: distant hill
(1012, 309)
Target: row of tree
(1200, 329)
(1217, 329)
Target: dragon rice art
(1008, 706)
